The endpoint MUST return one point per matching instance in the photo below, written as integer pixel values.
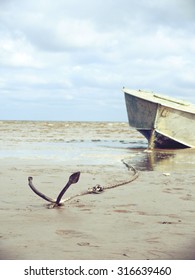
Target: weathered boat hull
(166, 123)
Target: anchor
(73, 179)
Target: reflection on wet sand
(165, 160)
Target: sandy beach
(152, 217)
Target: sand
(150, 218)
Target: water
(86, 143)
(68, 142)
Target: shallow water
(69, 142)
(86, 143)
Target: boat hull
(162, 125)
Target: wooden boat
(166, 122)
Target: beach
(151, 218)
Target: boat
(166, 122)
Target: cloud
(80, 54)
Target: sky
(68, 60)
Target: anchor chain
(99, 189)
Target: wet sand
(150, 218)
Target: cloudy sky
(69, 59)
